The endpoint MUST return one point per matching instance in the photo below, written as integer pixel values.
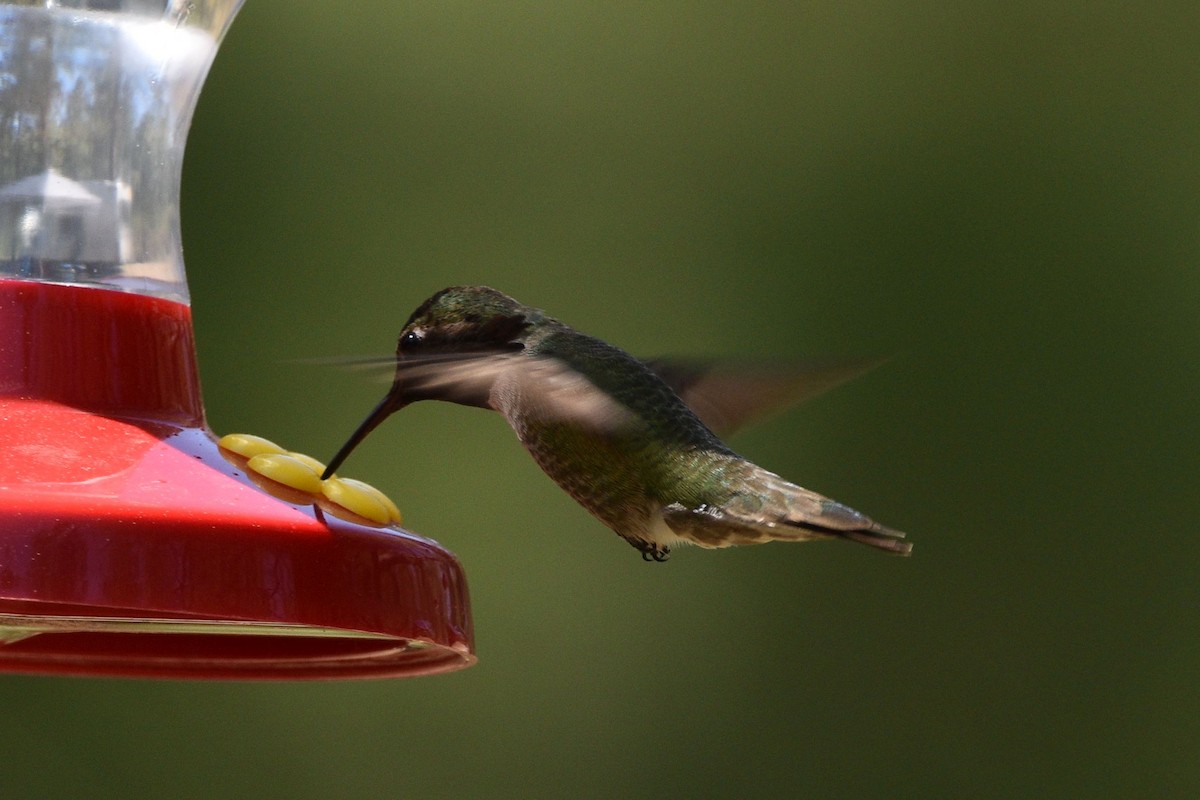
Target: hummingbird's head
(451, 349)
(468, 320)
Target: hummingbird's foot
(652, 552)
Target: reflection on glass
(95, 101)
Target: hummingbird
(632, 441)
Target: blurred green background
(1006, 195)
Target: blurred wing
(727, 395)
(379, 369)
(548, 389)
(545, 385)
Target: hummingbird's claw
(652, 552)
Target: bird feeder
(130, 543)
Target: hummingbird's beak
(455, 377)
(392, 401)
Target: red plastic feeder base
(129, 545)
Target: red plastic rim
(130, 546)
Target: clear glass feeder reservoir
(129, 545)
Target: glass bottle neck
(95, 101)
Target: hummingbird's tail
(883, 538)
(782, 510)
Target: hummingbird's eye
(410, 340)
